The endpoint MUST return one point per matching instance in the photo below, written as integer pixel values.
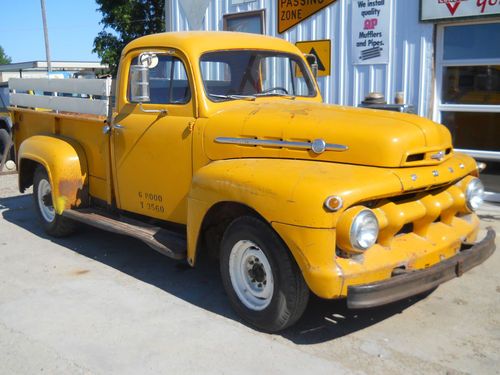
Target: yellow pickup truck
(220, 143)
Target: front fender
(66, 166)
(283, 190)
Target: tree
(123, 21)
(4, 59)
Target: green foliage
(124, 21)
(4, 59)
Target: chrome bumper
(416, 282)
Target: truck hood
(283, 128)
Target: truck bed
(84, 130)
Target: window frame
(167, 52)
(441, 63)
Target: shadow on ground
(323, 320)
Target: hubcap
(45, 201)
(251, 275)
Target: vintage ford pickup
(220, 143)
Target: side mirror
(314, 68)
(139, 84)
(312, 60)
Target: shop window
(468, 86)
(471, 85)
(246, 22)
(478, 41)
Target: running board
(162, 240)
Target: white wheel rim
(251, 275)
(47, 210)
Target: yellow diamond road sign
(322, 50)
(292, 12)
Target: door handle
(106, 128)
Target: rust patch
(69, 189)
(80, 272)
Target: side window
(168, 81)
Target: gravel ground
(100, 303)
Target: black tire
(290, 295)
(4, 142)
(60, 226)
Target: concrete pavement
(100, 303)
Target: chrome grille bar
(278, 144)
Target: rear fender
(66, 166)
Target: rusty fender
(65, 163)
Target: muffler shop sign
(432, 10)
(370, 24)
(292, 12)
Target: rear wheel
(54, 224)
(263, 282)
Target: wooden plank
(63, 115)
(101, 87)
(61, 103)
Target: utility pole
(168, 15)
(46, 34)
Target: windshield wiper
(234, 97)
(283, 95)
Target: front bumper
(416, 282)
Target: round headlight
(364, 230)
(474, 194)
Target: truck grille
(418, 212)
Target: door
(151, 150)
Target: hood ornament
(318, 146)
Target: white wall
(410, 66)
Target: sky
(72, 24)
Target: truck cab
(220, 143)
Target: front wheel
(54, 224)
(263, 282)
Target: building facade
(441, 56)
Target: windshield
(247, 74)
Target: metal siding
(410, 56)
